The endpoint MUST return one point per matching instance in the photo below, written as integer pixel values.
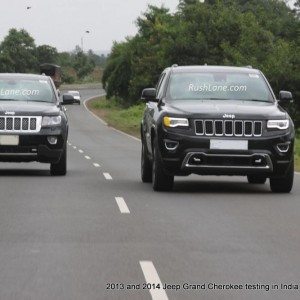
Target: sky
(63, 23)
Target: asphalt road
(73, 237)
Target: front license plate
(9, 140)
(228, 145)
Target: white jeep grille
(19, 124)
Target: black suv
(33, 124)
(213, 120)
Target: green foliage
(17, 52)
(113, 112)
(47, 54)
(117, 73)
(261, 33)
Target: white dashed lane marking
(122, 205)
(87, 157)
(80, 151)
(96, 165)
(107, 176)
(152, 278)
(74, 147)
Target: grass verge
(124, 119)
(129, 119)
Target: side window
(160, 86)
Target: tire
(60, 168)
(283, 184)
(256, 179)
(160, 180)
(146, 165)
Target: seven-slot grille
(20, 124)
(228, 128)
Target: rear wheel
(160, 180)
(146, 166)
(283, 184)
(256, 179)
(60, 168)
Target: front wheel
(60, 168)
(283, 184)
(160, 180)
(255, 179)
(146, 166)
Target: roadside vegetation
(19, 54)
(126, 119)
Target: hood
(218, 108)
(28, 108)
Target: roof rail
(174, 66)
(249, 67)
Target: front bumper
(35, 147)
(192, 154)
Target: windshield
(73, 93)
(26, 90)
(218, 86)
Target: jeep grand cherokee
(33, 124)
(213, 120)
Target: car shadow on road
(23, 172)
(220, 187)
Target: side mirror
(67, 99)
(149, 95)
(285, 97)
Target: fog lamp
(52, 140)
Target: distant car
(76, 95)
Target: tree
(17, 52)
(82, 64)
(46, 54)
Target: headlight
(278, 124)
(176, 122)
(51, 121)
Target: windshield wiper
(215, 99)
(39, 101)
(256, 100)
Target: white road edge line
(122, 205)
(107, 176)
(96, 165)
(103, 122)
(87, 157)
(152, 277)
(94, 115)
